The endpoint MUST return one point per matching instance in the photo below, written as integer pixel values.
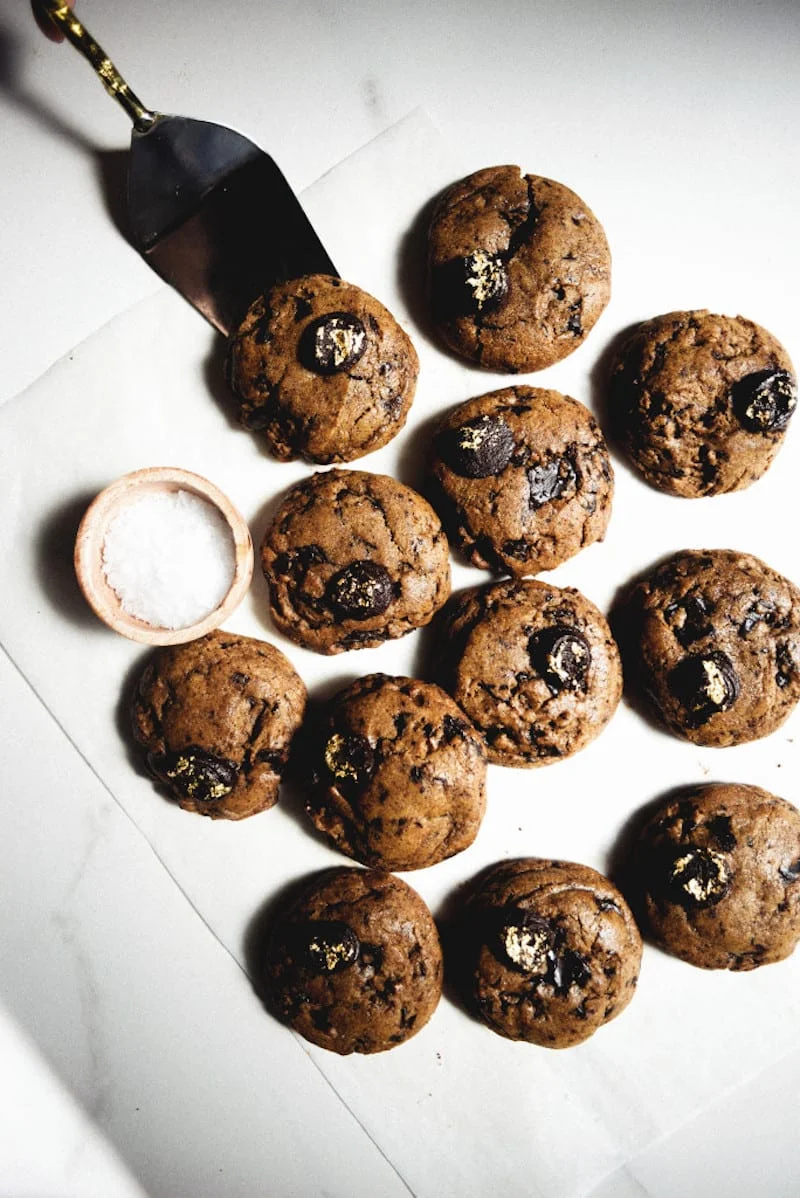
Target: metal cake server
(207, 209)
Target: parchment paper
(457, 1109)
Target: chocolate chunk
(332, 343)
(479, 448)
(469, 286)
(350, 759)
(324, 946)
(765, 401)
(761, 610)
(790, 873)
(696, 877)
(360, 591)
(689, 619)
(785, 663)
(562, 656)
(550, 480)
(706, 684)
(533, 946)
(195, 774)
(720, 829)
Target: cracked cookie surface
(322, 370)
(718, 868)
(714, 636)
(549, 951)
(519, 269)
(522, 478)
(702, 402)
(215, 718)
(355, 964)
(353, 559)
(400, 774)
(554, 684)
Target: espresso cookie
(523, 479)
(718, 869)
(715, 640)
(215, 718)
(322, 370)
(353, 559)
(549, 951)
(533, 666)
(400, 774)
(518, 269)
(355, 964)
(701, 402)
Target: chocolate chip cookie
(355, 964)
(519, 269)
(522, 478)
(215, 718)
(353, 559)
(321, 370)
(550, 951)
(718, 868)
(400, 774)
(715, 641)
(533, 666)
(701, 402)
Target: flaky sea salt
(170, 558)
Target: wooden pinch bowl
(105, 602)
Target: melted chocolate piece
(350, 759)
(469, 286)
(360, 591)
(195, 774)
(561, 655)
(689, 619)
(696, 877)
(533, 946)
(479, 448)
(324, 946)
(705, 684)
(332, 343)
(721, 831)
(764, 401)
(550, 480)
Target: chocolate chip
(761, 610)
(705, 684)
(332, 343)
(477, 449)
(360, 591)
(722, 833)
(195, 774)
(350, 759)
(562, 656)
(550, 480)
(696, 877)
(324, 946)
(469, 286)
(764, 401)
(689, 619)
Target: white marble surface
(679, 121)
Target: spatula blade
(215, 217)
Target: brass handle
(64, 19)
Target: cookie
(718, 870)
(355, 964)
(400, 774)
(549, 951)
(701, 403)
(322, 371)
(533, 666)
(353, 559)
(216, 717)
(519, 269)
(522, 478)
(715, 641)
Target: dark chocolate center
(324, 946)
(764, 401)
(561, 655)
(359, 591)
(533, 946)
(332, 343)
(469, 286)
(350, 759)
(477, 449)
(195, 774)
(705, 684)
(697, 877)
